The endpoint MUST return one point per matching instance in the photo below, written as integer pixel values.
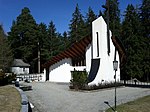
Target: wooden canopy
(76, 50)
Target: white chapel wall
(60, 72)
(88, 58)
(106, 71)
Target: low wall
(24, 101)
(34, 77)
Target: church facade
(94, 53)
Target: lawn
(139, 105)
(10, 99)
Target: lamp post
(39, 58)
(115, 66)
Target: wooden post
(38, 58)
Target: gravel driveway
(52, 97)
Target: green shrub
(11, 77)
(79, 82)
(79, 79)
(2, 78)
(6, 78)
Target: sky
(58, 11)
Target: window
(23, 69)
(79, 61)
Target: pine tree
(65, 40)
(6, 55)
(100, 14)
(114, 17)
(77, 26)
(51, 30)
(60, 43)
(145, 17)
(131, 37)
(145, 20)
(23, 37)
(43, 42)
(53, 40)
(90, 17)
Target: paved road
(52, 97)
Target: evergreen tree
(6, 55)
(51, 30)
(53, 40)
(145, 19)
(43, 42)
(114, 17)
(60, 43)
(77, 26)
(90, 17)
(100, 14)
(131, 37)
(65, 40)
(24, 38)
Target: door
(47, 74)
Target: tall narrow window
(97, 44)
(23, 69)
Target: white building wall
(20, 70)
(79, 68)
(60, 72)
(44, 75)
(106, 71)
(88, 58)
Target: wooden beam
(71, 51)
(79, 49)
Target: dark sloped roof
(75, 50)
(121, 50)
(19, 63)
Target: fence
(136, 83)
(32, 77)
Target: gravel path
(52, 97)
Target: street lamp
(115, 66)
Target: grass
(139, 105)
(10, 99)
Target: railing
(136, 83)
(32, 77)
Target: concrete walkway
(52, 97)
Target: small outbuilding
(19, 67)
